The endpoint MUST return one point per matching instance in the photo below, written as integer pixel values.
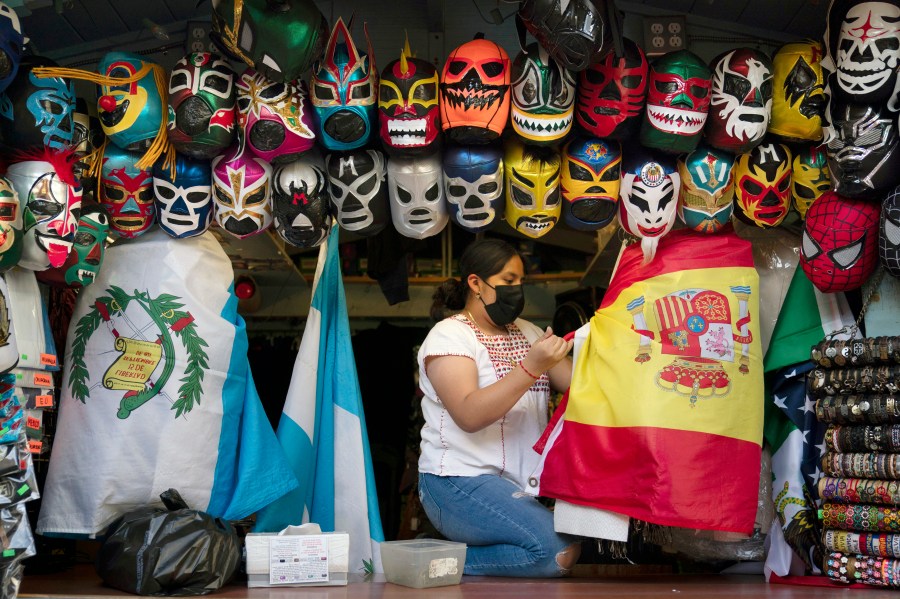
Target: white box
(257, 551)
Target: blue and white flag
(323, 428)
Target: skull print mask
(707, 189)
(649, 196)
(474, 99)
(866, 51)
(416, 188)
(612, 94)
(591, 173)
(889, 233)
(344, 92)
(52, 202)
(201, 106)
(37, 112)
(741, 100)
(358, 194)
(677, 102)
(543, 97)
(11, 45)
(762, 181)
(810, 178)
(408, 112)
(577, 31)
(126, 192)
(799, 100)
(183, 202)
(862, 149)
(275, 118)
(242, 193)
(11, 234)
(839, 250)
(473, 180)
(532, 188)
(300, 203)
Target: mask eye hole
(631, 81)
(83, 238)
(456, 67)
(257, 197)
(611, 174)
(522, 198)
(701, 92)
(666, 87)
(223, 197)
(847, 256)
(433, 193)
(492, 69)
(361, 92)
(809, 247)
(197, 197)
(752, 187)
(552, 198)
(579, 173)
(403, 195)
(487, 188)
(165, 192)
(457, 191)
(323, 92)
(178, 81)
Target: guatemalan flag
(323, 428)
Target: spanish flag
(664, 416)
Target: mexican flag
(665, 411)
(791, 429)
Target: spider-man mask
(741, 100)
(707, 189)
(408, 112)
(889, 233)
(862, 149)
(677, 102)
(762, 182)
(612, 93)
(810, 178)
(590, 182)
(126, 192)
(840, 241)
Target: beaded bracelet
(527, 371)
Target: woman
(486, 375)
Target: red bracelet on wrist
(535, 377)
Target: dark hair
(484, 258)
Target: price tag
(43, 379)
(35, 446)
(43, 401)
(32, 422)
(48, 359)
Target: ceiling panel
(770, 14)
(672, 5)
(719, 9)
(809, 21)
(186, 9)
(64, 34)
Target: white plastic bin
(423, 563)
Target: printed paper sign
(298, 559)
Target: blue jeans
(508, 533)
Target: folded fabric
(859, 409)
(876, 571)
(850, 439)
(860, 518)
(874, 544)
(862, 465)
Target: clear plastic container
(423, 563)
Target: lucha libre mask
(242, 193)
(275, 118)
(37, 112)
(52, 201)
(201, 105)
(358, 194)
(532, 189)
(649, 196)
(183, 202)
(473, 180)
(11, 234)
(408, 113)
(130, 113)
(741, 100)
(578, 31)
(864, 40)
(88, 249)
(344, 90)
(798, 95)
(300, 203)
(889, 233)
(612, 93)
(126, 192)
(840, 241)
(810, 178)
(705, 203)
(11, 43)
(862, 148)
(677, 102)
(416, 189)
(279, 39)
(543, 97)
(474, 99)
(87, 135)
(762, 185)
(591, 172)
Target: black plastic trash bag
(169, 551)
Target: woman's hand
(546, 352)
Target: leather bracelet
(527, 371)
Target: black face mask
(509, 304)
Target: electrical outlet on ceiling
(664, 34)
